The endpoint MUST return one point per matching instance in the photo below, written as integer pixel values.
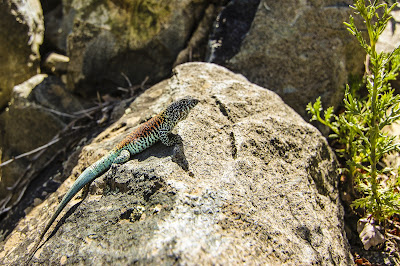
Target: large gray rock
(301, 50)
(21, 34)
(252, 183)
(138, 38)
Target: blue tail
(86, 177)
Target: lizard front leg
(169, 139)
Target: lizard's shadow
(61, 221)
(159, 150)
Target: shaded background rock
(56, 64)
(196, 48)
(39, 109)
(230, 28)
(57, 28)
(259, 186)
(299, 49)
(138, 38)
(21, 34)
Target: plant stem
(374, 135)
(374, 123)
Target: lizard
(157, 128)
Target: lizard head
(179, 110)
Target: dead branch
(54, 140)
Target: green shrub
(358, 130)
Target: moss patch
(138, 21)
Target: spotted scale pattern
(144, 136)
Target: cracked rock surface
(251, 183)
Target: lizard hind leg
(85, 190)
(122, 157)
